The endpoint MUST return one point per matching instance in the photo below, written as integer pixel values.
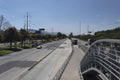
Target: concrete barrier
(59, 73)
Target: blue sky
(63, 15)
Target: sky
(77, 16)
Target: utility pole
(87, 29)
(52, 29)
(80, 28)
(27, 21)
(24, 25)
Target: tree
(4, 24)
(59, 35)
(64, 36)
(1, 37)
(71, 35)
(11, 35)
(24, 36)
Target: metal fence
(103, 55)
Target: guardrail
(103, 55)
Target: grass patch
(4, 52)
(27, 46)
(8, 51)
(13, 49)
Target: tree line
(104, 34)
(12, 35)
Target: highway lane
(47, 69)
(15, 64)
(83, 45)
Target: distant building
(41, 31)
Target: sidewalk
(72, 70)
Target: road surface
(72, 70)
(49, 67)
(15, 64)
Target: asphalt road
(47, 69)
(83, 45)
(15, 64)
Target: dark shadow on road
(20, 64)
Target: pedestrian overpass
(102, 61)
